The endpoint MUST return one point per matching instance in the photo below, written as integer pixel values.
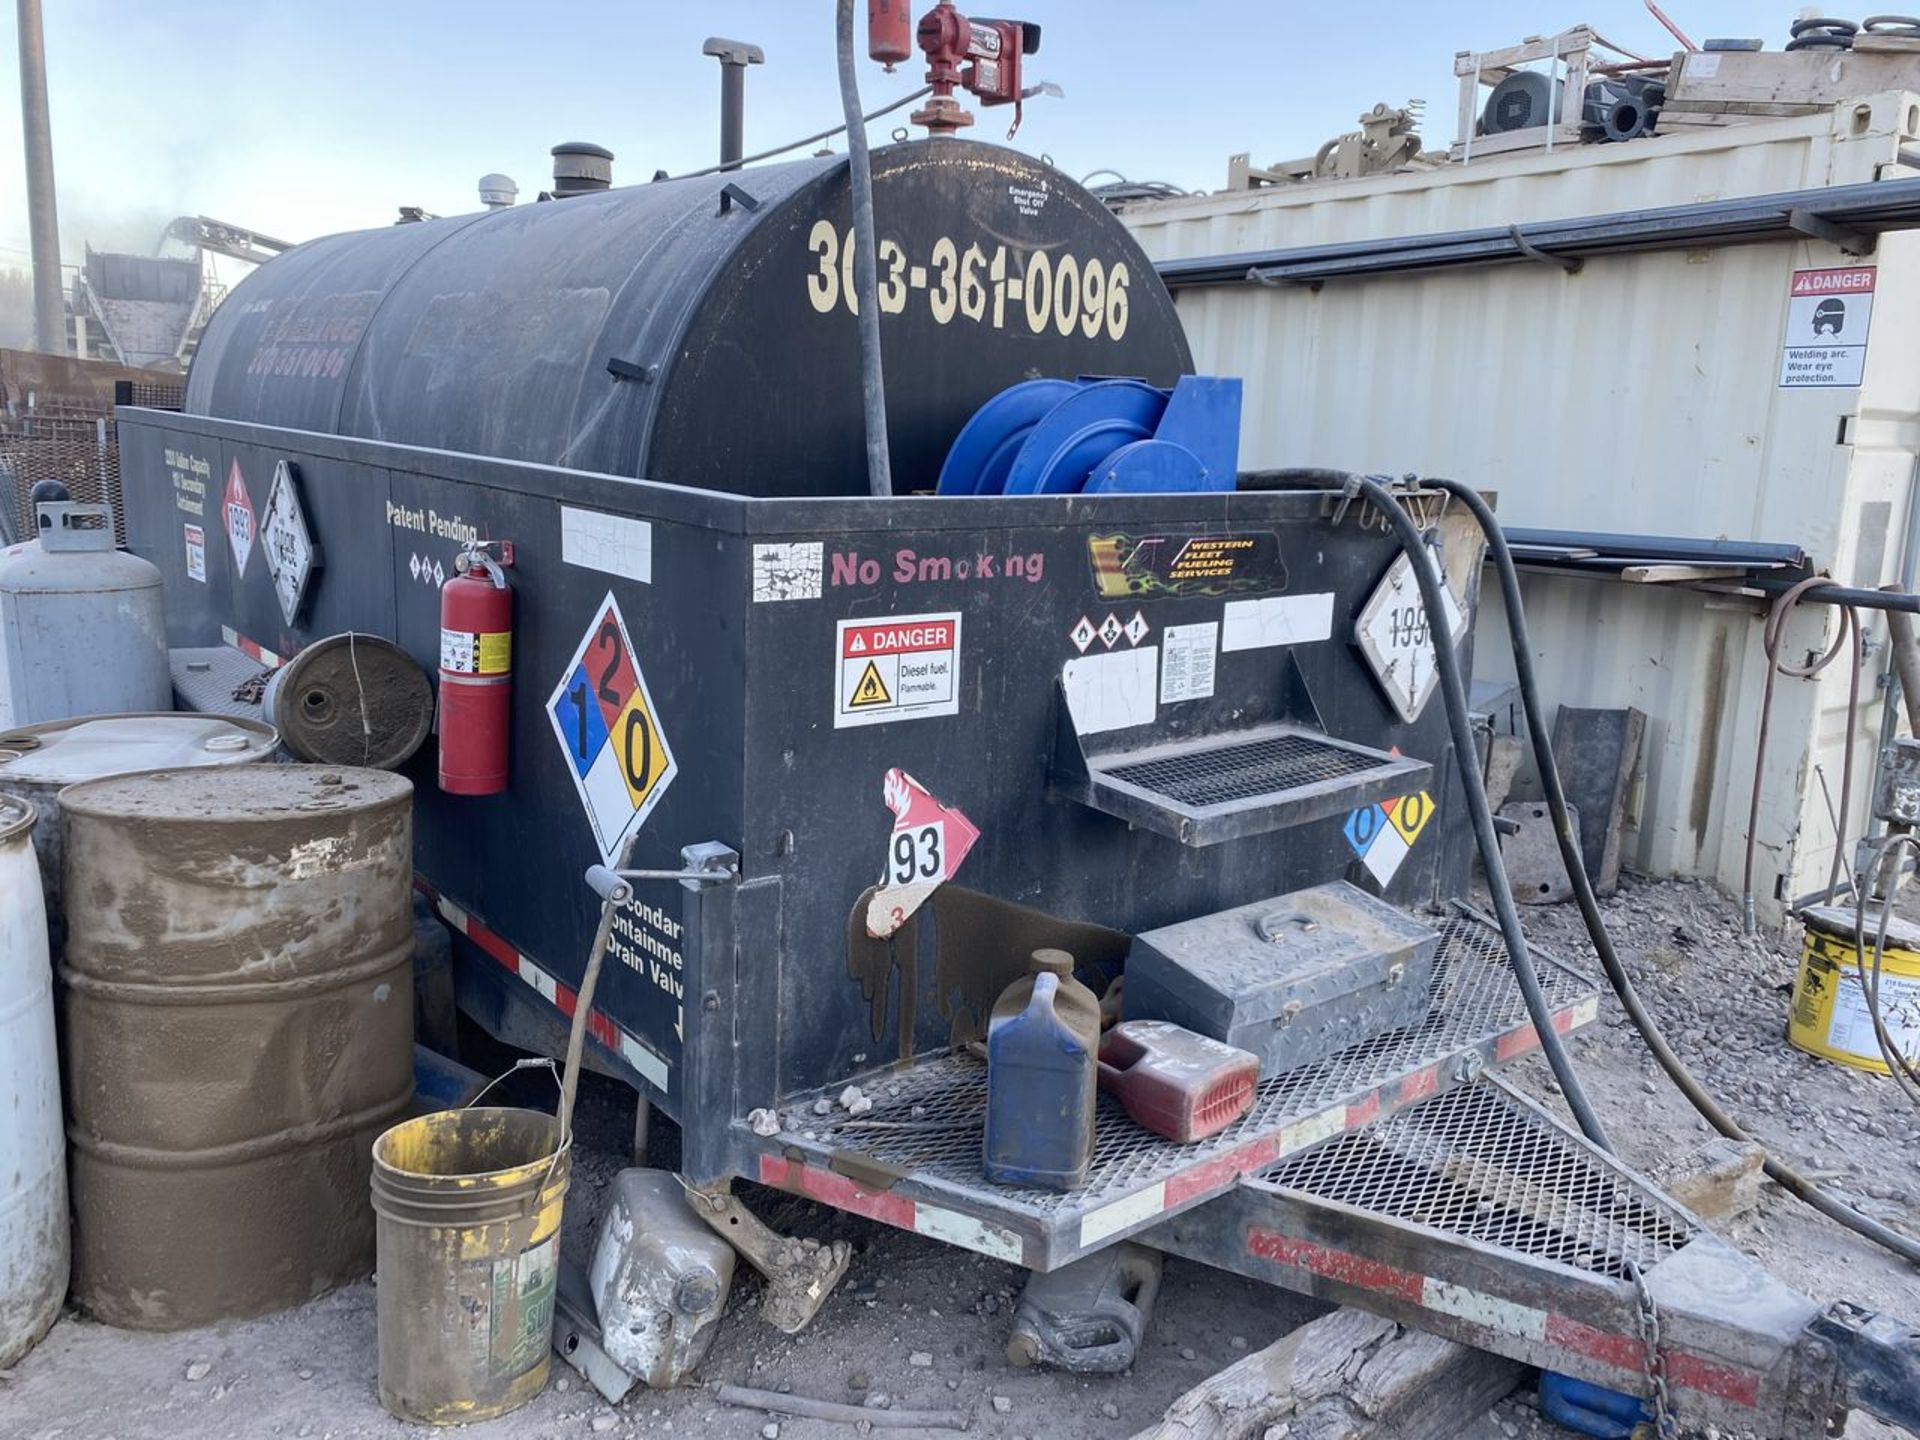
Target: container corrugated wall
(1638, 395)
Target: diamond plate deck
(1478, 1164)
(923, 1170)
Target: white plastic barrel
(34, 1242)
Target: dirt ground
(309, 1373)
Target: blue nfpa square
(1363, 827)
(582, 727)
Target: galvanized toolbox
(1291, 979)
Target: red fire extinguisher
(476, 672)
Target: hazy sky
(300, 118)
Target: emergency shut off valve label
(905, 667)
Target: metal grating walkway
(1485, 1165)
(1205, 789)
(1244, 771)
(928, 1125)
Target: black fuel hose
(1453, 689)
(1778, 1170)
(866, 265)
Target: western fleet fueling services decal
(236, 512)
(605, 720)
(928, 842)
(1827, 316)
(1129, 567)
(903, 667)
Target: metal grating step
(1485, 1165)
(206, 677)
(1138, 1178)
(1221, 787)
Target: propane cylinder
(33, 1152)
(82, 628)
(476, 670)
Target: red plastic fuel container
(1176, 1083)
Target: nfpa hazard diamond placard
(604, 717)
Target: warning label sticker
(1828, 313)
(236, 509)
(605, 720)
(905, 667)
(196, 553)
(928, 842)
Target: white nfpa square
(609, 801)
(1384, 855)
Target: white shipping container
(1641, 394)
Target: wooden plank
(1345, 1376)
(1665, 574)
(1886, 45)
(1799, 77)
(1566, 137)
(1747, 109)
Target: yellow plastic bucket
(467, 1206)
(1829, 1015)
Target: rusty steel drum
(238, 1028)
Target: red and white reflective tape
(251, 649)
(1217, 1173)
(554, 991)
(1627, 1353)
(834, 1189)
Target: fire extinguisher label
(609, 728)
(468, 652)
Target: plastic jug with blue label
(1043, 1042)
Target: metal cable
(865, 119)
(1777, 1170)
(866, 264)
(1773, 638)
(1453, 689)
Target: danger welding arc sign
(902, 667)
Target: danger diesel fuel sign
(902, 667)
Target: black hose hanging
(1778, 1170)
(1453, 690)
(866, 268)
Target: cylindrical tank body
(37, 762)
(33, 1159)
(82, 625)
(238, 1026)
(699, 331)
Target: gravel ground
(308, 1374)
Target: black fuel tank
(698, 331)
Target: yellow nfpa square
(640, 747)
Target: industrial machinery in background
(1387, 140)
(846, 770)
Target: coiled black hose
(1778, 1170)
(1453, 689)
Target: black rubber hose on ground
(1453, 689)
(1556, 795)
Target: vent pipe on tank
(497, 191)
(581, 168)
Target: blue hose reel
(1100, 437)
